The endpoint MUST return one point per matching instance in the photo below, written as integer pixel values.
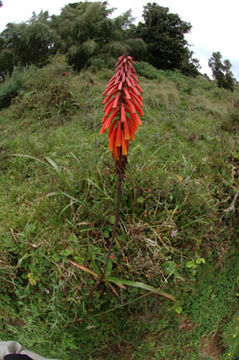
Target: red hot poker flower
(123, 105)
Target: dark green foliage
(85, 31)
(96, 63)
(78, 56)
(27, 43)
(221, 71)
(137, 48)
(6, 63)
(40, 43)
(163, 33)
(230, 81)
(11, 88)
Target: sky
(215, 25)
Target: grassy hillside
(178, 222)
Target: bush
(96, 64)
(115, 49)
(11, 88)
(56, 101)
(46, 92)
(40, 78)
(137, 48)
(148, 71)
(78, 56)
(231, 124)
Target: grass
(57, 192)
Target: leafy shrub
(11, 88)
(115, 48)
(137, 48)
(105, 74)
(96, 64)
(36, 78)
(148, 71)
(54, 102)
(231, 124)
(46, 91)
(79, 55)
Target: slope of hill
(178, 223)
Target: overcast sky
(215, 25)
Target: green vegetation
(88, 36)
(222, 71)
(164, 35)
(11, 88)
(178, 221)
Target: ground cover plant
(178, 227)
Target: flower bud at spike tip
(123, 107)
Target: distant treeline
(86, 34)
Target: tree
(7, 63)
(87, 32)
(40, 42)
(84, 29)
(221, 71)
(81, 22)
(29, 43)
(230, 80)
(163, 33)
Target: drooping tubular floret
(123, 106)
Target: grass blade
(29, 157)
(102, 191)
(141, 285)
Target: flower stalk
(122, 111)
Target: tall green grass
(57, 192)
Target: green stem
(116, 223)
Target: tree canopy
(163, 33)
(221, 71)
(87, 34)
